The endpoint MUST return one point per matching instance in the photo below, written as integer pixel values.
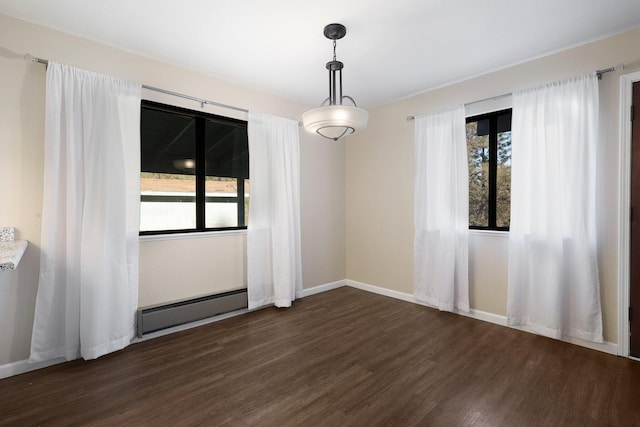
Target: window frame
(493, 167)
(200, 197)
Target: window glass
(227, 167)
(194, 171)
(489, 156)
(478, 156)
(167, 180)
(221, 202)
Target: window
(489, 153)
(194, 171)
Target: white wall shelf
(11, 250)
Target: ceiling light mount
(332, 119)
(335, 31)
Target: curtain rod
(598, 72)
(202, 102)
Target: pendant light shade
(333, 119)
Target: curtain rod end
(31, 58)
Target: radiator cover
(151, 319)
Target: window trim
(200, 118)
(190, 235)
(493, 167)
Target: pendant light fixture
(332, 119)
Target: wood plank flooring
(340, 358)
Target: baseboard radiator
(152, 319)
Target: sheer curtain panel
(553, 275)
(274, 265)
(88, 286)
(441, 211)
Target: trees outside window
(489, 156)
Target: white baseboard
(323, 288)
(23, 366)
(606, 347)
(382, 291)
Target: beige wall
(177, 269)
(169, 269)
(379, 171)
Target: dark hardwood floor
(340, 358)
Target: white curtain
(441, 210)
(274, 272)
(553, 275)
(88, 286)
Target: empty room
(294, 214)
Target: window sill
(186, 236)
(492, 233)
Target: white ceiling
(393, 48)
